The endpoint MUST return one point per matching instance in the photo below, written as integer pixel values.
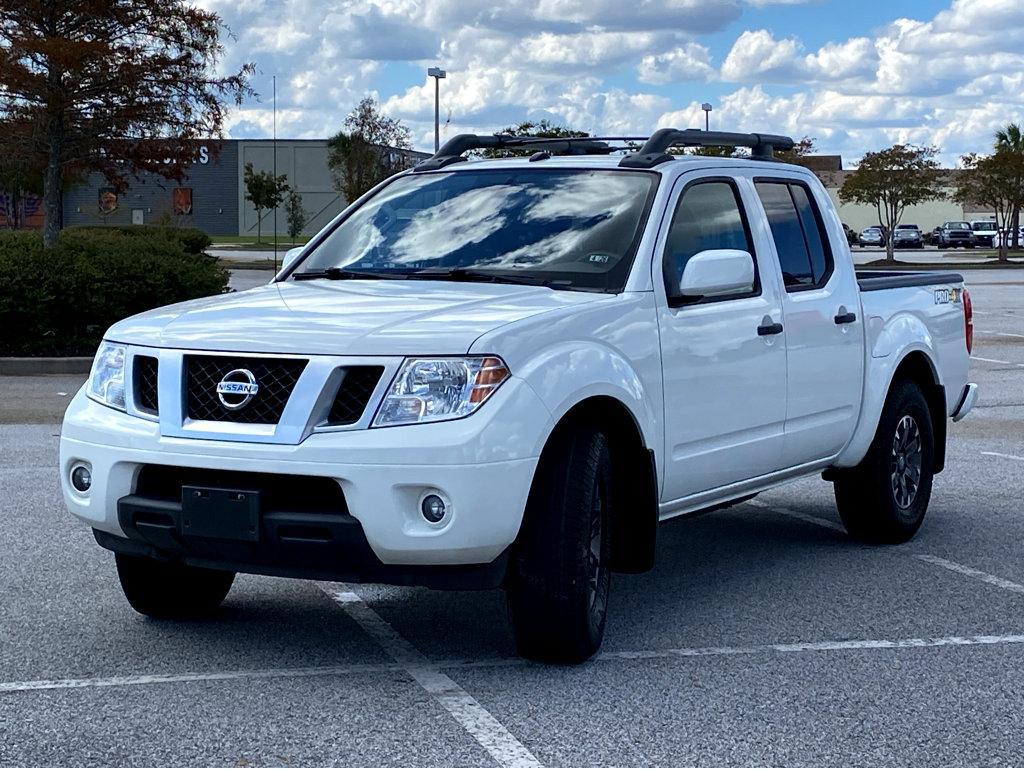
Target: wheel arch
(635, 506)
(915, 363)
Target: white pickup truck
(507, 372)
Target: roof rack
(656, 149)
(451, 151)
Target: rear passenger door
(824, 331)
(725, 381)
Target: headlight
(435, 389)
(106, 382)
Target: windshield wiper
(469, 275)
(340, 273)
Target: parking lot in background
(763, 636)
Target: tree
(295, 214)
(1010, 139)
(996, 181)
(541, 129)
(801, 149)
(892, 179)
(19, 177)
(367, 150)
(114, 86)
(265, 191)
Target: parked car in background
(871, 236)
(986, 232)
(1006, 236)
(955, 235)
(851, 235)
(907, 236)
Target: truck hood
(321, 317)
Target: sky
(856, 75)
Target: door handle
(767, 328)
(845, 317)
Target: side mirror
(289, 257)
(717, 272)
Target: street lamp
(706, 106)
(438, 74)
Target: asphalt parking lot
(763, 636)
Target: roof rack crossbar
(451, 151)
(655, 150)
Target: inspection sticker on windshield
(947, 295)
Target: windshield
(563, 228)
(906, 226)
(984, 226)
(958, 226)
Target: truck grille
(353, 394)
(275, 379)
(145, 384)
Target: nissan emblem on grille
(237, 388)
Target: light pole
(706, 106)
(438, 74)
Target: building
(212, 196)
(927, 216)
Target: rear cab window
(798, 231)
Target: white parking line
(997, 361)
(817, 646)
(967, 571)
(174, 678)
(508, 750)
(823, 522)
(474, 718)
(1000, 454)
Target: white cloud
(610, 66)
(758, 56)
(691, 61)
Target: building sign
(181, 197)
(107, 200)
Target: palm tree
(1010, 138)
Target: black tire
(884, 499)
(558, 590)
(169, 590)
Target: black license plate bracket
(220, 513)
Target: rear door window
(798, 232)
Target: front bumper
(482, 466)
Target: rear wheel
(884, 499)
(558, 593)
(165, 589)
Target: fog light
(433, 508)
(81, 478)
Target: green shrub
(59, 302)
(192, 240)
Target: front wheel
(884, 499)
(169, 590)
(558, 592)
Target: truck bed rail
(879, 280)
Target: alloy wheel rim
(905, 463)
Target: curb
(42, 366)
